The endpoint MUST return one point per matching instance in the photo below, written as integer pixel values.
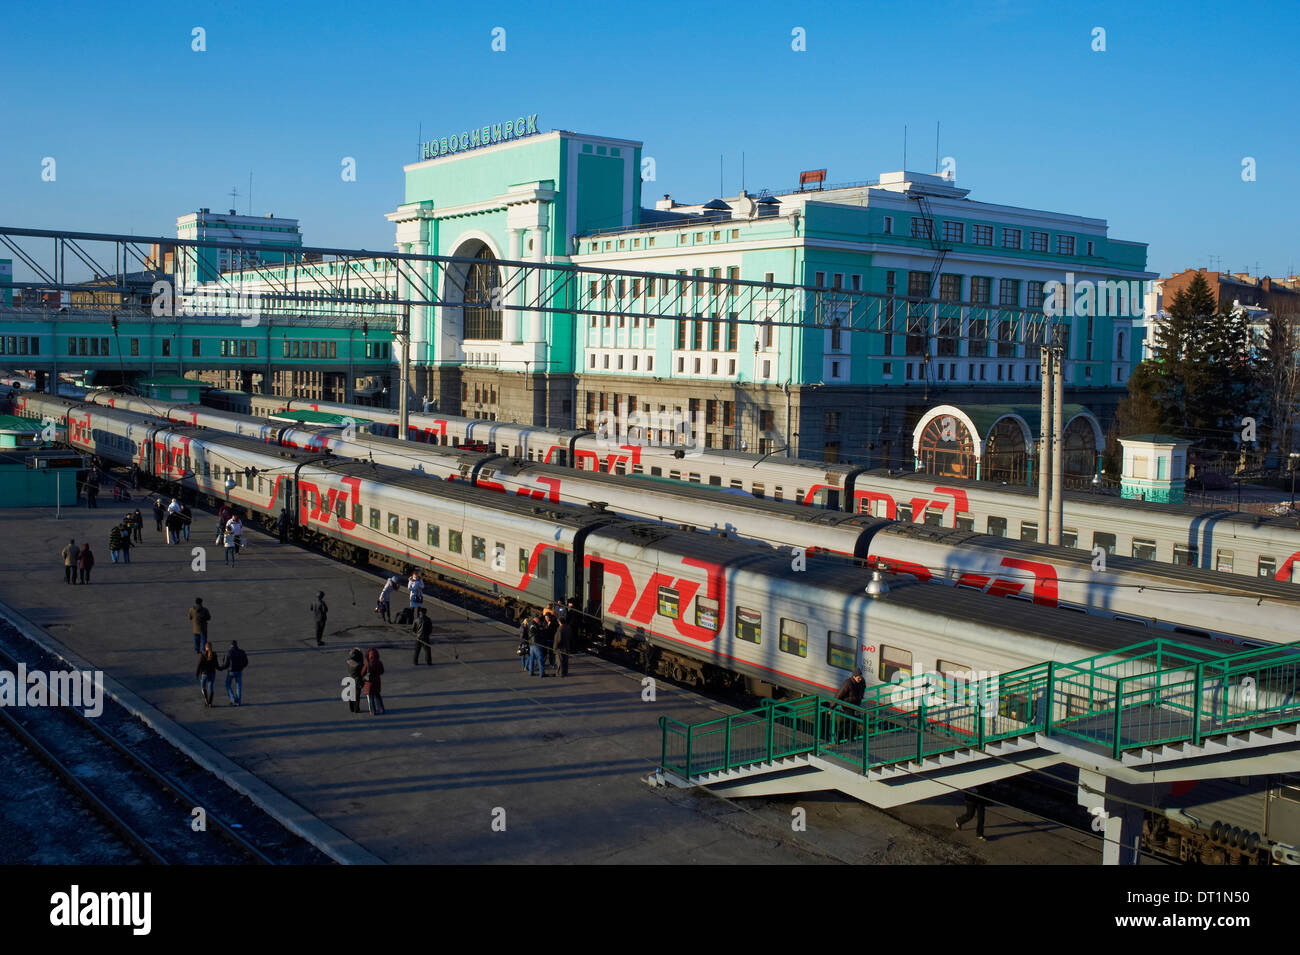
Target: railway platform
(474, 761)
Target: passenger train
(699, 608)
(1224, 541)
(1186, 600)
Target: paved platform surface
(467, 741)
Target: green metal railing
(1150, 693)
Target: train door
(561, 577)
(1284, 809)
(596, 589)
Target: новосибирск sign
(474, 138)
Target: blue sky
(1149, 134)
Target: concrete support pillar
(537, 318)
(1118, 822)
(512, 320)
(420, 314)
(1045, 447)
(1058, 445)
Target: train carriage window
(841, 650)
(478, 547)
(357, 514)
(454, 539)
(374, 518)
(778, 494)
(715, 480)
(669, 603)
(794, 637)
(1192, 632)
(1267, 566)
(706, 613)
(431, 535)
(1069, 537)
(894, 662)
(412, 527)
(1029, 531)
(1185, 555)
(948, 668)
(543, 565)
(523, 560)
(749, 625)
(934, 518)
(904, 512)
(739, 485)
(1223, 561)
(1144, 550)
(261, 488)
(757, 490)
(966, 524)
(675, 475)
(694, 478)
(392, 524)
(656, 472)
(1105, 541)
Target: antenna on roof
(936, 145)
(905, 147)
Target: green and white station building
(508, 191)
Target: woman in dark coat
(356, 665)
(85, 561)
(207, 672)
(373, 673)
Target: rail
(1151, 693)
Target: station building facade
(826, 393)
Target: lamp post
(1292, 458)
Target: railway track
(163, 820)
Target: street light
(1292, 458)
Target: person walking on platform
(158, 513)
(85, 562)
(69, 555)
(384, 605)
(416, 587)
(187, 518)
(199, 617)
(229, 539)
(423, 637)
(135, 477)
(282, 524)
(373, 673)
(536, 652)
(320, 611)
(126, 540)
(137, 526)
(975, 803)
(550, 627)
(207, 672)
(115, 542)
(236, 660)
(173, 524)
(356, 666)
(236, 527)
(564, 639)
(92, 488)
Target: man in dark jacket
(423, 637)
(564, 639)
(137, 525)
(236, 661)
(320, 611)
(283, 524)
(199, 617)
(536, 647)
(850, 691)
(550, 627)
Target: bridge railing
(1150, 693)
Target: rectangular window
(454, 541)
(1065, 245)
(953, 231)
(889, 225)
(1185, 555)
(981, 290)
(135, 346)
(794, 637)
(706, 614)
(1035, 292)
(1103, 540)
(1029, 531)
(393, 524)
(981, 234)
(478, 547)
(374, 518)
(820, 280)
(950, 288)
(194, 348)
(921, 228)
(1069, 537)
(1144, 550)
(749, 625)
(904, 512)
(841, 650)
(669, 603)
(1038, 241)
(894, 662)
(1008, 292)
(966, 524)
(998, 526)
(1010, 238)
(431, 535)
(1267, 567)
(412, 529)
(1223, 561)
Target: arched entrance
(1006, 458)
(946, 448)
(477, 281)
(1079, 450)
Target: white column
(512, 321)
(403, 290)
(537, 319)
(420, 314)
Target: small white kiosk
(1155, 468)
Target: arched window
(482, 283)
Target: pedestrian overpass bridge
(1156, 713)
